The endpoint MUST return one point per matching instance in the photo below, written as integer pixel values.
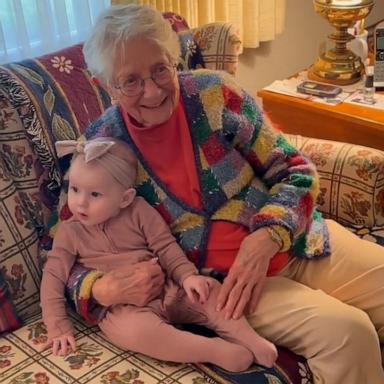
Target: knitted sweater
(249, 174)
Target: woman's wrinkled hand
(243, 285)
(136, 285)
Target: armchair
(52, 98)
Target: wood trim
(344, 122)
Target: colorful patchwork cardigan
(248, 173)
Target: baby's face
(94, 196)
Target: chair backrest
(213, 46)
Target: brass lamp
(340, 65)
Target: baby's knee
(127, 331)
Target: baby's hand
(63, 345)
(197, 285)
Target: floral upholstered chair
(352, 184)
(52, 98)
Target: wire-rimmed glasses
(161, 75)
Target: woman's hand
(246, 277)
(136, 285)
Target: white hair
(118, 24)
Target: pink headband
(98, 150)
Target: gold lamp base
(339, 65)
(337, 69)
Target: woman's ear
(128, 197)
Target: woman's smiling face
(141, 58)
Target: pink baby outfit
(138, 233)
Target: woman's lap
(353, 273)
(313, 305)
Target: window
(31, 28)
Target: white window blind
(30, 28)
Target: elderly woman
(240, 201)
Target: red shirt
(170, 143)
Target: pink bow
(91, 149)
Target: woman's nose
(151, 88)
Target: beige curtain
(257, 20)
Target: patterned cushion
(191, 57)
(351, 184)
(40, 102)
(98, 361)
(220, 46)
(58, 101)
(213, 46)
(21, 211)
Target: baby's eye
(74, 189)
(95, 194)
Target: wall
(295, 49)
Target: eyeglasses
(162, 75)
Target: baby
(111, 228)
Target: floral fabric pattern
(191, 57)
(62, 64)
(98, 361)
(352, 181)
(21, 211)
(94, 361)
(220, 46)
(5, 354)
(351, 184)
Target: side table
(343, 122)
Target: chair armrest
(351, 180)
(220, 45)
(22, 212)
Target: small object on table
(369, 89)
(318, 89)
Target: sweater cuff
(86, 306)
